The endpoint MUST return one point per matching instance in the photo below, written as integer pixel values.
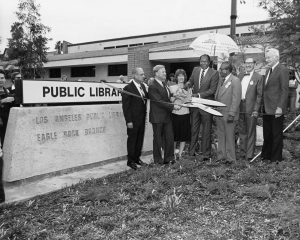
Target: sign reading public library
(34, 91)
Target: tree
(29, 41)
(285, 28)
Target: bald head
(249, 65)
(225, 69)
(138, 74)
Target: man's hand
(278, 112)
(7, 99)
(254, 114)
(230, 118)
(176, 107)
(130, 125)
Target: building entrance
(187, 66)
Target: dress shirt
(245, 83)
(226, 78)
(139, 88)
(164, 86)
(205, 71)
(160, 82)
(267, 78)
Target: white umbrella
(215, 44)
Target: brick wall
(139, 57)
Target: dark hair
(14, 74)
(228, 66)
(171, 75)
(205, 55)
(178, 72)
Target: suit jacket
(229, 93)
(254, 92)
(134, 108)
(159, 112)
(276, 90)
(208, 85)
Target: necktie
(270, 71)
(223, 80)
(201, 77)
(268, 76)
(166, 88)
(142, 91)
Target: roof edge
(170, 32)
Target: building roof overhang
(88, 61)
(176, 51)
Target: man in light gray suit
(229, 92)
(204, 81)
(252, 87)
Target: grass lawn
(188, 200)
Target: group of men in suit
(134, 109)
(244, 95)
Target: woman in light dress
(181, 117)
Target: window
(117, 70)
(121, 46)
(146, 43)
(54, 72)
(135, 44)
(88, 71)
(109, 47)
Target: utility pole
(233, 19)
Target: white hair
(274, 52)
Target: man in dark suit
(14, 77)
(160, 117)
(275, 97)
(2, 193)
(229, 92)
(134, 109)
(204, 81)
(252, 84)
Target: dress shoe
(140, 162)
(169, 163)
(132, 165)
(228, 162)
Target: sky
(79, 21)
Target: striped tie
(201, 77)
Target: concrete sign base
(42, 140)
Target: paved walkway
(28, 190)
